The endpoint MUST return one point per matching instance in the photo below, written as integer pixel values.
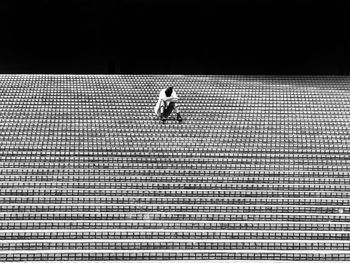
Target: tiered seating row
(172, 193)
(165, 255)
(174, 200)
(170, 245)
(162, 235)
(189, 225)
(205, 179)
(244, 217)
(169, 208)
(194, 186)
(102, 173)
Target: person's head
(169, 91)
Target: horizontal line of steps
(173, 245)
(169, 208)
(244, 217)
(183, 178)
(182, 225)
(47, 154)
(163, 234)
(296, 255)
(315, 202)
(242, 164)
(189, 157)
(177, 186)
(171, 193)
(183, 172)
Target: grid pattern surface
(257, 171)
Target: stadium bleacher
(258, 171)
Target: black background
(168, 36)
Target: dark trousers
(168, 110)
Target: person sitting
(167, 102)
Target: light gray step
(112, 173)
(176, 186)
(169, 208)
(76, 145)
(243, 164)
(182, 225)
(150, 245)
(146, 255)
(123, 154)
(120, 150)
(140, 234)
(183, 178)
(331, 202)
(244, 217)
(171, 193)
(137, 158)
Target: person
(167, 102)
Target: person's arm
(173, 97)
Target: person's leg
(177, 111)
(176, 108)
(161, 108)
(168, 109)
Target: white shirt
(163, 97)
